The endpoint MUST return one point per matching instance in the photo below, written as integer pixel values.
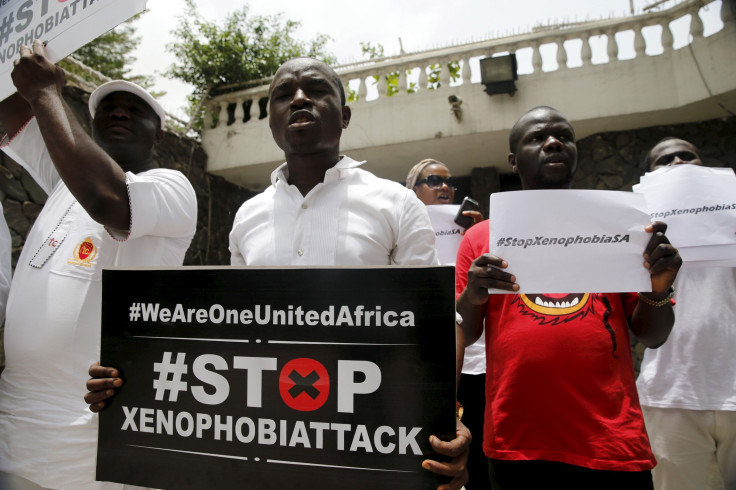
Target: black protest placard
(277, 378)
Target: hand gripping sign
(66, 25)
(277, 377)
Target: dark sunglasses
(435, 182)
(685, 156)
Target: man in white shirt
(687, 387)
(322, 210)
(108, 205)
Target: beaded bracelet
(661, 302)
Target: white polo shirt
(6, 245)
(52, 332)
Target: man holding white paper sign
(698, 203)
(561, 403)
(688, 387)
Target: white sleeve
(162, 203)
(236, 258)
(415, 236)
(29, 150)
(5, 250)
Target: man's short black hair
(647, 164)
(515, 134)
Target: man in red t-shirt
(561, 402)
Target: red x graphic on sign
(304, 384)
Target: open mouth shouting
(444, 198)
(301, 119)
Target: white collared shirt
(352, 218)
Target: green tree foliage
(110, 54)
(244, 48)
(392, 79)
(433, 78)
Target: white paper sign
(571, 241)
(708, 253)
(708, 263)
(447, 233)
(697, 203)
(67, 25)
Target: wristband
(658, 303)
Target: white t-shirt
(352, 218)
(696, 368)
(52, 332)
(448, 236)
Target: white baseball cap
(122, 86)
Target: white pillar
(362, 89)
(381, 84)
(561, 55)
(222, 115)
(611, 46)
(667, 39)
(255, 108)
(696, 25)
(640, 46)
(239, 112)
(402, 81)
(586, 53)
(536, 58)
(445, 73)
(423, 78)
(465, 71)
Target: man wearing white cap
(108, 205)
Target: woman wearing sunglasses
(433, 184)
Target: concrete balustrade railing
(230, 108)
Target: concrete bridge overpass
(609, 75)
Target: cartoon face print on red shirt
(554, 308)
(558, 309)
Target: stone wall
(615, 161)
(217, 199)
